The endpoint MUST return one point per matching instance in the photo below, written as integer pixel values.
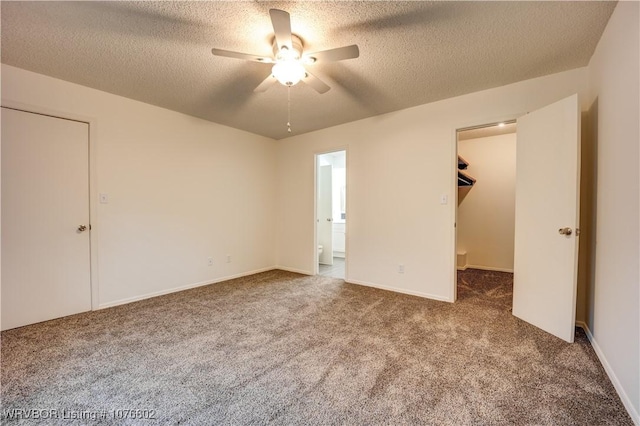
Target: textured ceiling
(411, 53)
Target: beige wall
(180, 190)
(614, 305)
(486, 216)
(399, 166)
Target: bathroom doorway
(331, 213)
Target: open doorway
(485, 215)
(331, 213)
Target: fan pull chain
(289, 109)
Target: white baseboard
(612, 375)
(399, 290)
(181, 288)
(462, 268)
(488, 268)
(297, 271)
(583, 325)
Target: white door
(547, 202)
(325, 214)
(45, 200)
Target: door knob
(329, 219)
(82, 228)
(564, 231)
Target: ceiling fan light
(288, 73)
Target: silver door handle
(329, 219)
(82, 228)
(564, 231)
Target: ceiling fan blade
(281, 22)
(315, 82)
(337, 54)
(239, 55)
(266, 83)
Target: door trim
(93, 186)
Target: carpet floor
(282, 348)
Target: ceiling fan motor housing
(296, 49)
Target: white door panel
(45, 198)
(547, 199)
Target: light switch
(104, 198)
(444, 199)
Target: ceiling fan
(288, 57)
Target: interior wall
(614, 318)
(400, 166)
(180, 190)
(486, 216)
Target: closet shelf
(463, 178)
(465, 182)
(462, 163)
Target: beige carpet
(283, 348)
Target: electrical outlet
(228, 258)
(210, 261)
(401, 269)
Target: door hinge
(577, 231)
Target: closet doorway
(331, 213)
(486, 197)
(485, 225)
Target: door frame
(93, 186)
(316, 154)
(475, 124)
